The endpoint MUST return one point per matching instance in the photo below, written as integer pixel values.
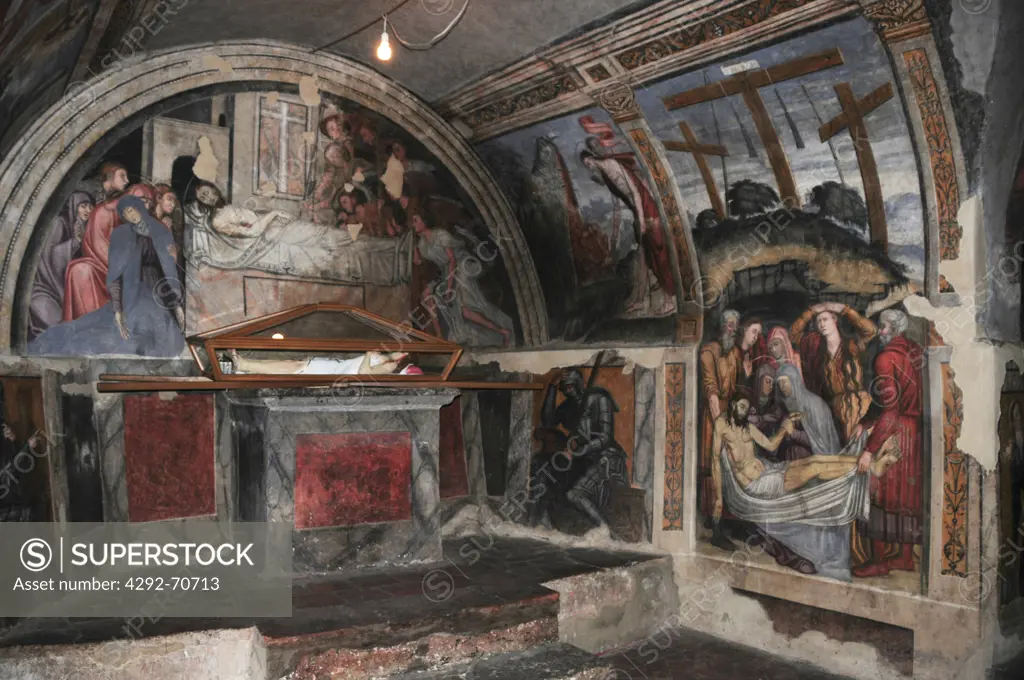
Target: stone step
(553, 661)
(442, 636)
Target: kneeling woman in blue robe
(145, 315)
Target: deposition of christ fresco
(811, 438)
(811, 380)
(327, 202)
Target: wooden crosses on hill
(748, 84)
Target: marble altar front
(354, 470)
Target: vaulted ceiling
(492, 34)
(64, 41)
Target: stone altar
(353, 469)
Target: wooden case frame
(240, 336)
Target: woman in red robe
(85, 284)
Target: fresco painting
(336, 194)
(792, 142)
(584, 437)
(812, 438)
(594, 228)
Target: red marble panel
(169, 457)
(355, 478)
(452, 452)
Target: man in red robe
(619, 173)
(85, 284)
(896, 522)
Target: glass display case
(314, 346)
(320, 343)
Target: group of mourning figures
(782, 410)
(108, 279)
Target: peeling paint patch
(206, 163)
(354, 229)
(272, 98)
(309, 91)
(732, 616)
(167, 396)
(77, 389)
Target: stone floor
(477, 572)
(480, 577)
(687, 655)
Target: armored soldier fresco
(578, 458)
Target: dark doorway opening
(183, 180)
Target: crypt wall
(621, 92)
(612, 239)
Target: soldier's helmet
(571, 381)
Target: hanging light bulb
(384, 48)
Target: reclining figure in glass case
(371, 363)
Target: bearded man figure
(896, 523)
(719, 368)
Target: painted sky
(809, 101)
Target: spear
(831, 145)
(792, 123)
(746, 135)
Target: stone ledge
(944, 628)
(211, 655)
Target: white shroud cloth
(832, 503)
(282, 245)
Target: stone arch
(34, 168)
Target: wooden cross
(852, 118)
(700, 153)
(747, 84)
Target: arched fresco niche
(290, 199)
(287, 202)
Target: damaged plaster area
(206, 164)
(482, 520)
(213, 61)
(979, 365)
(712, 606)
(309, 90)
